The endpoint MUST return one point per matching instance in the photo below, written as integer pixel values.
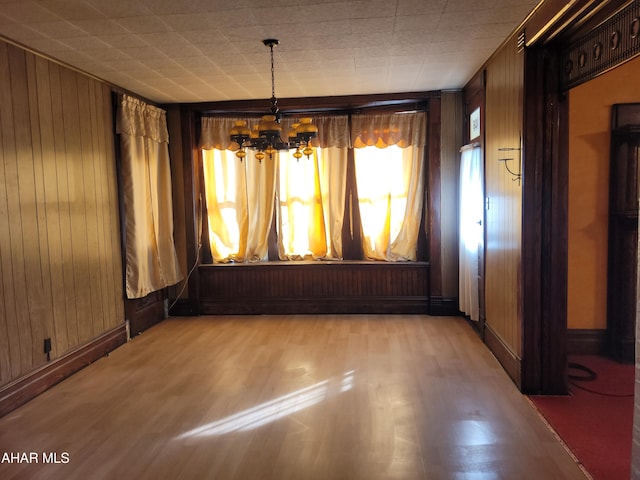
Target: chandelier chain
(265, 137)
(273, 75)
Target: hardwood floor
(288, 397)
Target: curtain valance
(384, 130)
(138, 119)
(333, 131)
(380, 130)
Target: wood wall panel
(312, 287)
(60, 260)
(504, 97)
(452, 120)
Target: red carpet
(596, 419)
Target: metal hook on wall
(517, 176)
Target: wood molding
(433, 206)
(622, 264)
(544, 227)
(611, 43)
(509, 360)
(441, 306)
(315, 305)
(586, 341)
(193, 202)
(29, 386)
(320, 104)
(553, 17)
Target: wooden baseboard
(441, 306)
(29, 386)
(586, 342)
(313, 305)
(183, 307)
(509, 361)
(145, 312)
(623, 350)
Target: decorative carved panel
(612, 43)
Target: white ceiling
(210, 50)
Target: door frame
(474, 97)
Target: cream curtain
(471, 230)
(389, 166)
(383, 130)
(311, 198)
(151, 261)
(240, 200)
(310, 193)
(241, 196)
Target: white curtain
(471, 229)
(151, 261)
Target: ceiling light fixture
(265, 136)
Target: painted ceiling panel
(211, 50)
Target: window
(301, 203)
(387, 180)
(310, 204)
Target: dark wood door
(623, 231)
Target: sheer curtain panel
(240, 195)
(307, 194)
(240, 200)
(389, 166)
(471, 230)
(151, 261)
(311, 196)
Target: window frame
(351, 235)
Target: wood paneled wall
(451, 122)
(187, 186)
(504, 100)
(314, 287)
(60, 257)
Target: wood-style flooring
(308, 397)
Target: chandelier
(265, 137)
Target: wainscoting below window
(314, 287)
